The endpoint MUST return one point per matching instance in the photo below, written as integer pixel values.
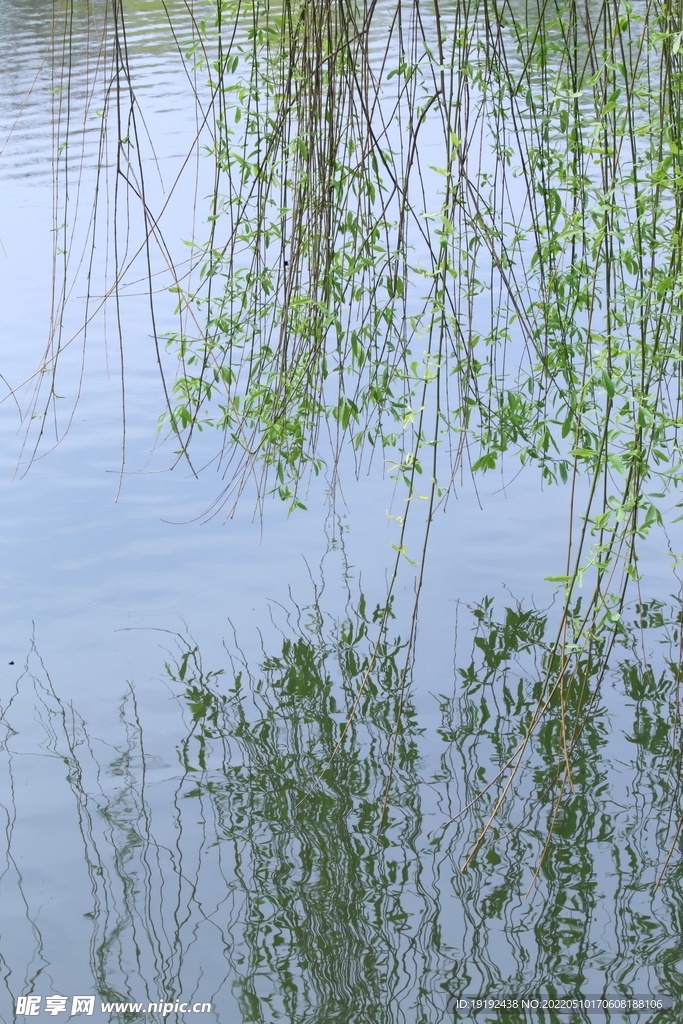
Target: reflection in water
(248, 867)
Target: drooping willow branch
(449, 238)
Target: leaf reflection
(234, 876)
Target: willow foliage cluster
(447, 237)
(453, 233)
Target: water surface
(174, 686)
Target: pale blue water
(143, 860)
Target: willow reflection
(252, 873)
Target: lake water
(175, 829)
